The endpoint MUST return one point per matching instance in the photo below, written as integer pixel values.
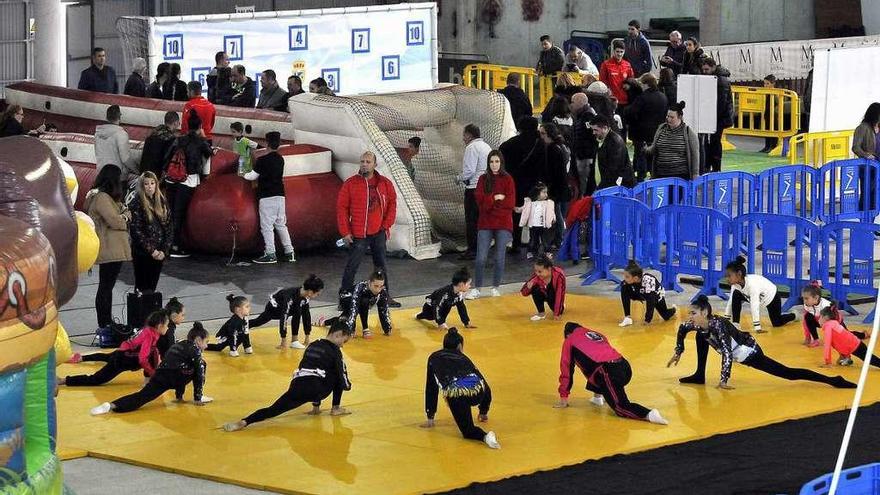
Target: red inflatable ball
(223, 209)
(311, 209)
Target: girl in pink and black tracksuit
(814, 303)
(607, 372)
(546, 286)
(138, 352)
(836, 336)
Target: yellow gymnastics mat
(380, 449)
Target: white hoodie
(112, 148)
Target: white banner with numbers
(357, 50)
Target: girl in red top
(496, 199)
(842, 340)
(547, 285)
(135, 353)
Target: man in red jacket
(365, 211)
(201, 106)
(613, 73)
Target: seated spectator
(135, 86)
(294, 87)
(578, 61)
(551, 59)
(158, 144)
(520, 106)
(675, 150)
(612, 157)
(272, 97)
(244, 90)
(316, 84)
(154, 90)
(10, 123)
(99, 76)
(174, 89)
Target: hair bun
(816, 283)
(452, 330)
(173, 300)
(230, 297)
(198, 324)
(702, 298)
(741, 260)
(681, 104)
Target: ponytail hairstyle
(452, 339)
(377, 275)
(157, 318)
(570, 327)
(173, 306)
(702, 304)
(814, 289)
(197, 331)
(313, 283)
(829, 312)
(634, 269)
(543, 261)
(461, 276)
(235, 302)
(737, 266)
(536, 191)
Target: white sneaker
(495, 292)
(655, 417)
(102, 409)
(233, 353)
(598, 400)
(627, 321)
(297, 345)
(538, 316)
(248, 350)
(473, 294)
(491, 441)
(206, 399)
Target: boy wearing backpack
(186, 162)
(269, 173)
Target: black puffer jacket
(645, 114)
(148, 235)
(583, 142)
(196, 149)
(156, 148)
(725, 98)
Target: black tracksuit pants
(107, 275)
(464, 418)
(629, 294)
(117, 363)
(161, 382)
(760, 361)
(862, 351)
(774, 309)
(97, 357)
(471, 215)
(610, 380)
(301, 391)
(275, 313)
(541, 299)
(239, 339)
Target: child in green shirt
(243, 147)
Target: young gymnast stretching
(842, 340)
(369, 293)
(439, 304)
(735, 345)
(138, 352)
(452, 374)
(640, 286)
(293, 303)
(814, 303)
(235, 331)
(757, 291)
(546, 286)
(606, 370)
(321, 372)
(182, 364)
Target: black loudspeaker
(139, 306)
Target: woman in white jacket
(758, 291)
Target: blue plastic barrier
(697, 243)
(788, 190)
(618, 224)
(657, 193)
(621, 191)
(782, 237)
(731, 193)
(848, 190)
(849, 262)
(861, 480)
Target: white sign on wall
(358, 51)
(700, 95)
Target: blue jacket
(99, 80)
(638, 54)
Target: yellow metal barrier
(491, 77)
(819, 148)
(762, 112)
